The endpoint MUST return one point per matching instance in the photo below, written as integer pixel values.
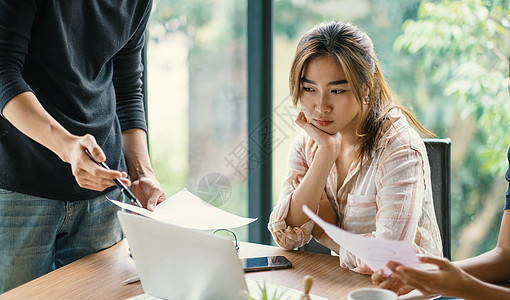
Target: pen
(117, 182)
(132, 280)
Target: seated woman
(466, 278)
(358, 162)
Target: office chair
(438, 152)
(316, 247)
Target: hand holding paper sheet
(187, 210)
(374, 252)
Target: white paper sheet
(187, 210)
(374, 252)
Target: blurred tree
(179, 16)
(463, 50)
(215, 33)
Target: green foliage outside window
(462, 50)
(464, 47)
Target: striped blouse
(389, 197)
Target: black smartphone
(265, 263)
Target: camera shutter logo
(215, 189)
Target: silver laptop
(179, 263)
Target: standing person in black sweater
(70, 80)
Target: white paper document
(374, 252)
(187, 210)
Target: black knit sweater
(82, 60)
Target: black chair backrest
(314, 246)
(438, 152)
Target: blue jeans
(39, 235)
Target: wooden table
(101, 275)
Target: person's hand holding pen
(88, 174)
(123, 188)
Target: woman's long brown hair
(354, 52)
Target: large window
(197, 100)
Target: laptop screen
(179, 263)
